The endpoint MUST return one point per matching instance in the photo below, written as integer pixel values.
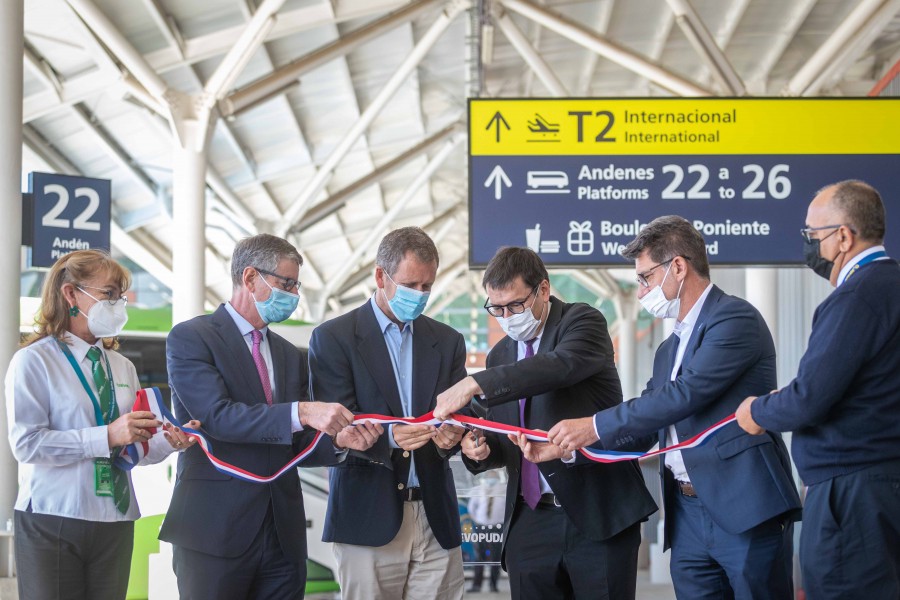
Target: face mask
(407, 303)
(523, 326)
(656, 303)
(105, 319)
(279, 306)
(820, 266)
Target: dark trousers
(478, 577)
(59, 558)
(261, 573)
(850, 539)
(549, 559)
(709, 563)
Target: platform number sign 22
(70, 213)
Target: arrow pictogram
(498, 119)
(498, 179)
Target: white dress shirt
(683, 329)
(54, 434)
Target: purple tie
(531, 483)
(256, 336)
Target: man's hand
(745, 418)
(177, 438)
(361, 436)
(130, 428)
(448, 436)
(537, 452)
(412, 437)
(573, 434)
(456, 397)
(474, 446)
(327, 417)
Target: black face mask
(814, 260)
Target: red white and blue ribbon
(154, 404)
(148, 399)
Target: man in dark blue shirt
(844, 402)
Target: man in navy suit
(235, 539)
(729, 504)
(569, 532)
(844, 402)
(392, 511)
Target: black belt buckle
(412, 494)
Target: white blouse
(54, 434)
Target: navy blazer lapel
(373, 350)
(237, 345)
(550, 327)
(700, 326)
(279, 365)
(426, 367)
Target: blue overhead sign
(576, 179)
(70, 213)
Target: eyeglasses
(287, 284)
(642, 277)
(515, 308)
(807, 230)
(112, 296)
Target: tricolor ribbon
(152, 399)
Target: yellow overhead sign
(684, 126)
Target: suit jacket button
(400, 486)
(406, 454)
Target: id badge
(103, 485)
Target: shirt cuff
(98, 441)
(596, 431)
(296, 425)
(570, 460)
(391, 441)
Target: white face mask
(524, 326)
(656, 303)
(106, 320)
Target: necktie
(256, 336)
(531, 484)
(121, 493)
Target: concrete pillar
(761, 290)
(626, 305)
(12, 15)
(189, 221)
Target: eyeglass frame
(287, 280)
(807, 230)
(641, 278)
(109, 299)
(509, 307)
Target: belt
(687, 489)
(411, 494)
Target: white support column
(626, 306)
(189, 221)
(761, 290)
(12, 15)
(531, 56)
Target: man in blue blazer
(235, 539)
(729, 504)
(844, 402)
(392, 510)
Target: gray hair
(261, 251)
(667, 237)
(862, 208)
(395, 245)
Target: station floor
(645, 590)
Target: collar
(384, 321)
(79, 347)
(243, 324)
(687, 324)
(855, 261)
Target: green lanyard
(98, 412)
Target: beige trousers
(412, 566)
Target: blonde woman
(69, 395)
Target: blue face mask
(407, 303)
(279, 306)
